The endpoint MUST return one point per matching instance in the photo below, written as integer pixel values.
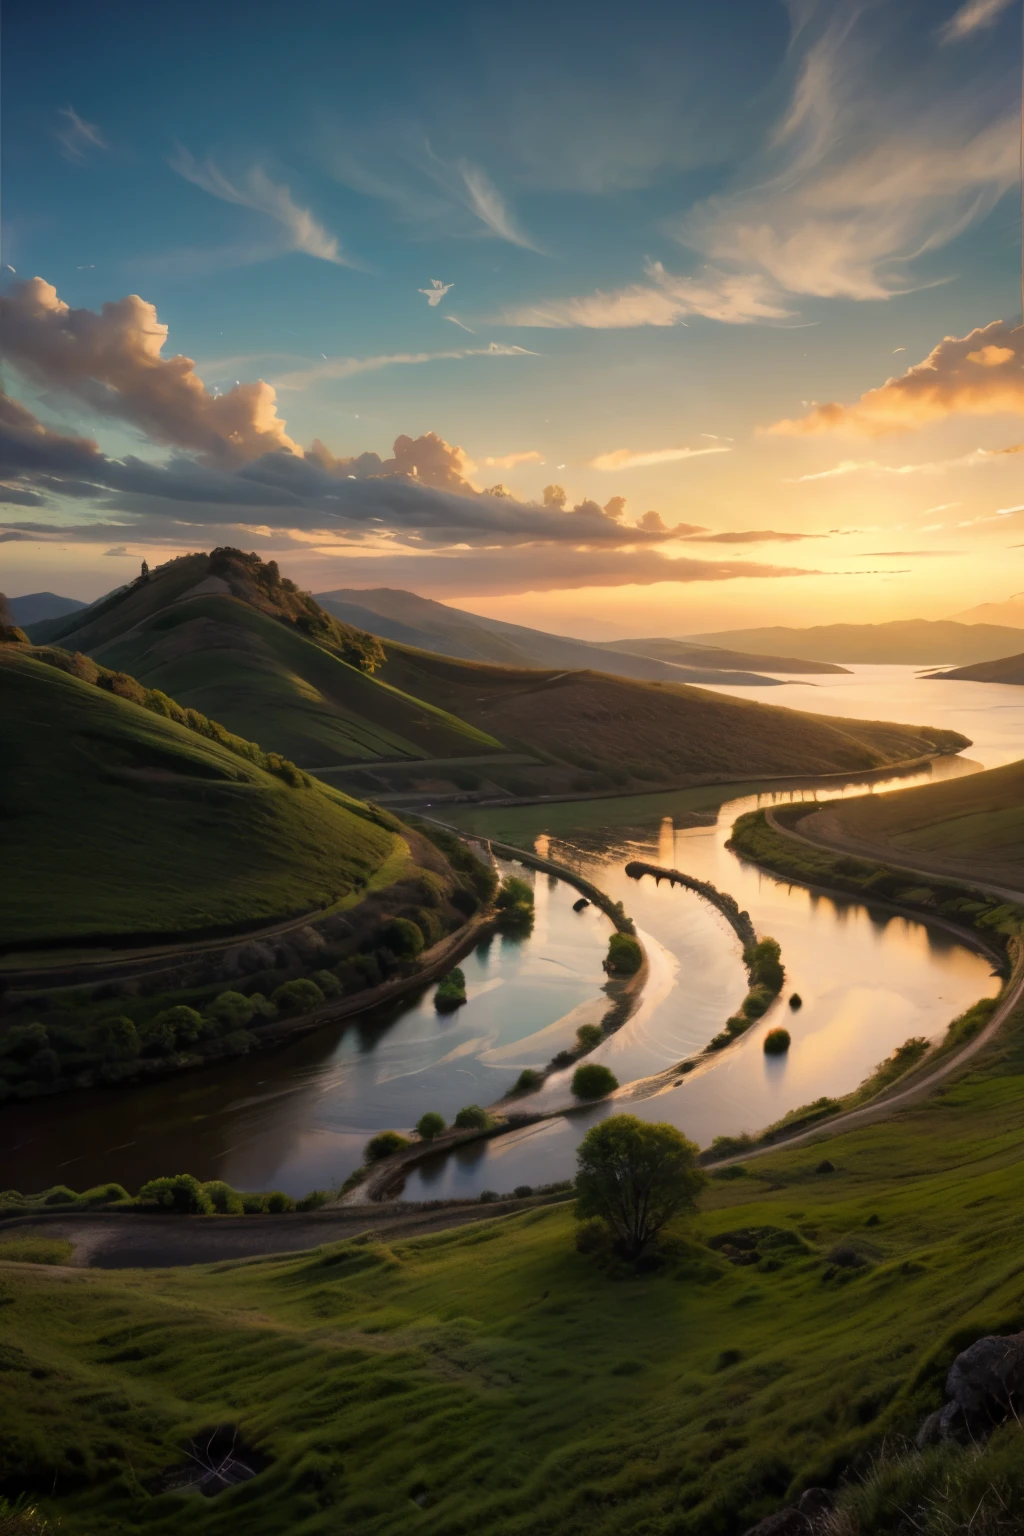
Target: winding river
(298, 1118)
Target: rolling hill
(911, 642)
(34, 607)
(226, 635)
(1008, 669)
(433, 626)
(628, 731)
(687, 653)
(117, 821)
(971, 826)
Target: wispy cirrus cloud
(348, 367)
(973, 460)
(626, 458)
(974, 16)
(76, 137)
(510, 460)
(302, 231)
(664, 299)
(981, 374)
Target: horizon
(661, 330)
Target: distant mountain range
(432, 626)
(35, 606)
(1011, 613)
(913, 642)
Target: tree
(382, 1145)
(625, 957)
(635, 1176)
(589, 1036)
(472, 1118)
(593, 1081)
(430, 1125)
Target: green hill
(971, 827)
(651, 732)
(912, 642)
(117, 821)
(227, 635)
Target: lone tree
(635, 1176)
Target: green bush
(22, 1041)
(225, 1200)
(178, 1192)
(254, 1204)
(625, 957)
(117, 1039)
(451, 991)
(180, 1025)
(104, 1194)
(430, 1125)
(776, 1042)
(314, 1200)
(589, 1036)
(737, 1025)
(382, 1145)
(528, 1081)
(472, 1118)
(59, 1194)
(764, 963)
(757, 1002)
(278, 1202)
(230, 1011)
(157, 1036)
(300, 996)
(593, 1081)
(514, 893)
(403, 937)
(328, 983)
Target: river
(298, 1118)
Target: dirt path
(103, 1240)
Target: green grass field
(492, 1378)
(120, 822)
(972, 827)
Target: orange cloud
(112, 362)
(981, 374)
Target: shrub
(528, 1081)
(382, 1145)
(328, 983)
(523, 1191)
(24, 1040)
(764, 962)
(593, 1081)
(254, 1205)
(757, 1002)
(230, 1011)
(430, 1125)
(225, 1200)
(736, 1025)
(635, 1177)
(472, 1118)
(178, 1192)
(44, 1066)
(776, 1042)
(591, 1237)
(117, 1039)
(451, 991)
(314, 1200)
(403, 937)
(300, 996)
(60, 1194)
(589, 1036)
(278, 1203)
(625, 957)
(488, 1196)
(562, 1059)
(104, 1194)
(796, 1001)
(514, 902)
(239, 1043)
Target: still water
(298, 1118)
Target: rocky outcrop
(985, 1387)
(805, 1518)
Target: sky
(611, 319)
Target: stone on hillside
(985, 1386)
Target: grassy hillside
(491, 1378)
(913, 642)
(1007, 669)
(117, 821)
(972, 826)
(221, 635)
(650, 731)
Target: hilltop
(1008, 669)
(971, 827)
(1010, 612)
(911, 642)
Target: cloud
(454, 320)
(973, 17)
(348, 367)
(112, 362)
(302, 231)
(510, 460)
(625, 458)
(981, 374)
(665, 299)
(76, 137)
(752, 536)
(972, 460)
(887, 151)
(117, 550)
(483, 199)
(436, 292)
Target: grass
(34, 1250)
(972, 827)
(120, 822)
(492, 1378)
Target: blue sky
(659, 229)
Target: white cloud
(454, 320)
(625, 458)
(75, 136)
(302, 231)
(348, 367)
(510, 460)
(665, 299)
(972, 17)
(972, 460)
(436, 292)
(486, 202)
